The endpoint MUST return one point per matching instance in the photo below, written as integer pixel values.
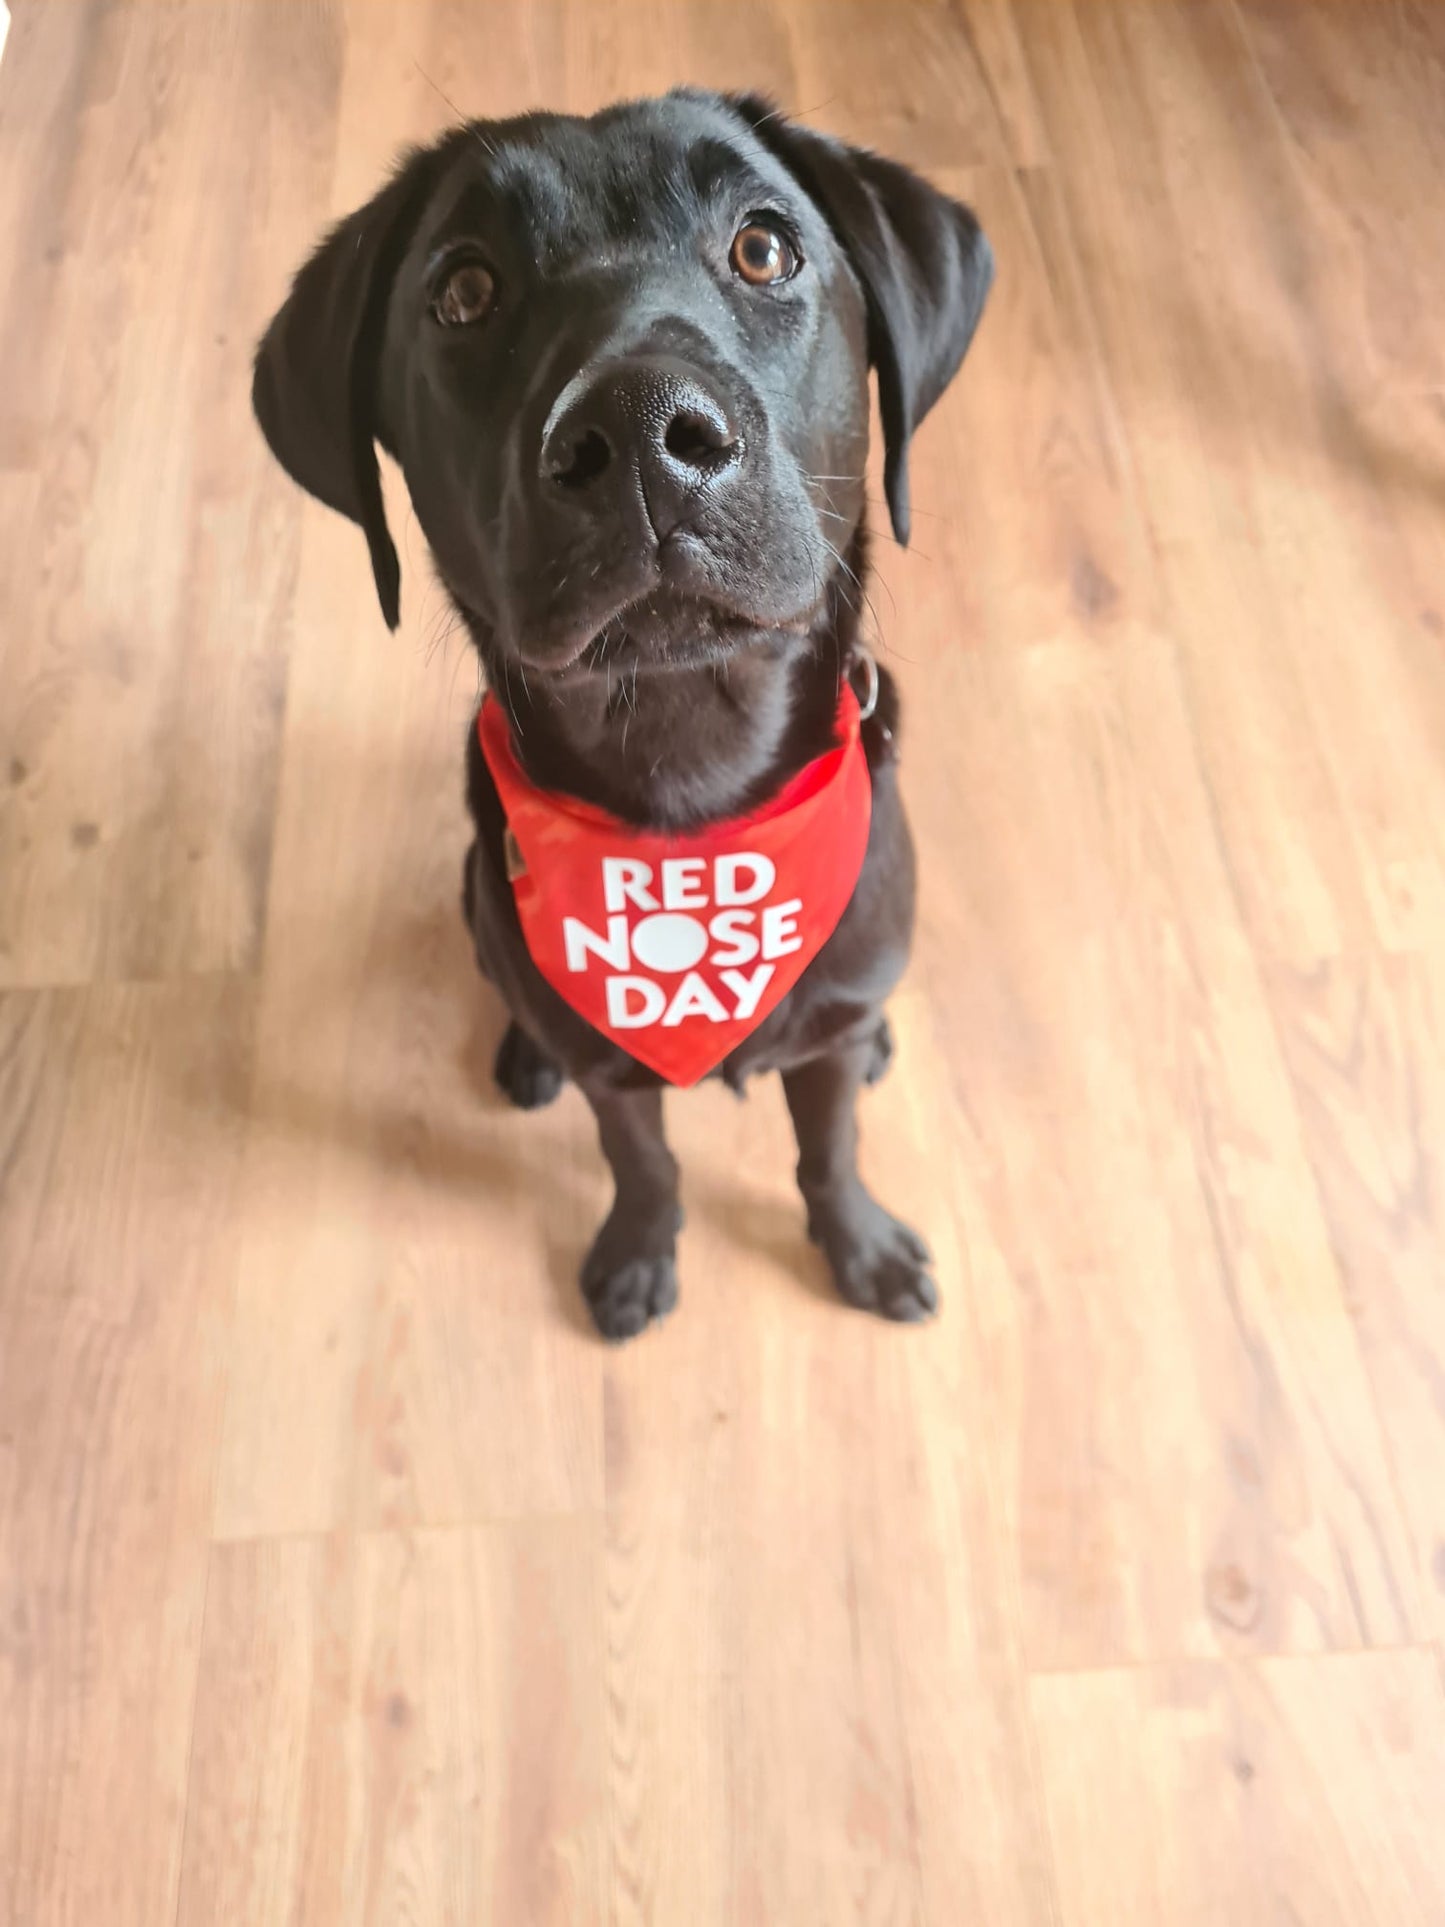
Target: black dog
(623, 363)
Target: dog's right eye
(463, 295)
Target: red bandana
(677, 946)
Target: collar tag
(868, 697)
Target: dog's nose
(642, 423)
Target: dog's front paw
(878, 1264)
(524, 1072)
(629, 1278)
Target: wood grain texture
(147, 563)
(1290, 1790)
(343, 1576)
(121, 1116)
(402, 1727)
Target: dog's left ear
(315, 384)
(923, 262)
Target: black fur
(642, 479)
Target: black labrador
(623, 363)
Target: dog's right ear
(315, 384)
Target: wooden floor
(344, 1577)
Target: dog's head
(623, 363)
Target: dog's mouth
(666, 630)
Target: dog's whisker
(470, 125)
(461, 657)
(799, 113)
(511, 706)
(867, 599)
(928, 515)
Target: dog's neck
(675, 748)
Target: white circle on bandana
(669, 941)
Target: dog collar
(677, 946)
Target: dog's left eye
(464, 295)
(762, 256)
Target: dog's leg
(880, 1053)
(630, 1274)
(524, 1072)
(878, 1263)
